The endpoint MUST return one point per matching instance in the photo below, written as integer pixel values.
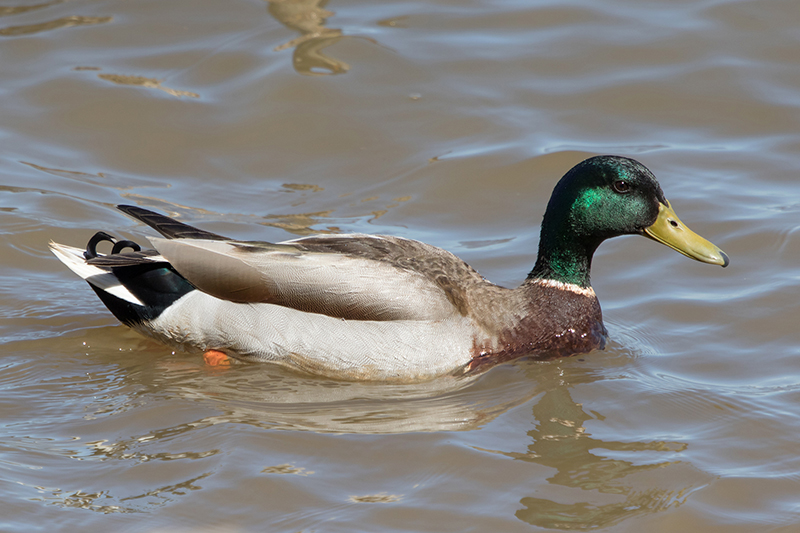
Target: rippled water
(447, 122)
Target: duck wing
(353, 277)
(166, 226)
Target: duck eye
(621, 186)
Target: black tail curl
(102, 236)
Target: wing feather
(308, 278)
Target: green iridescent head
(603, 197)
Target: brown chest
(554, 322)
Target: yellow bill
(669, 230)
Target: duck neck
(564, 255)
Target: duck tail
(136, 285)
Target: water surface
(447, 122)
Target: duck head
(604, 197)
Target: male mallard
(374, 307)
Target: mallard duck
(376, 307)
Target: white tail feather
(97, 277)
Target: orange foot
(216, 358)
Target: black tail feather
(156, 285)
(153, 281)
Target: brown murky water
(443, 121)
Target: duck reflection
(308, 17)
(280, 399)
(607, 487)
(578, 480)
